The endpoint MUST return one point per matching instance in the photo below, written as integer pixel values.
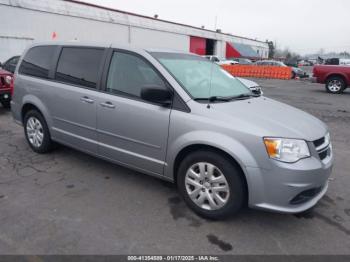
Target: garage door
(198, 45)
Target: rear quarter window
(37, 61)
(79, 66)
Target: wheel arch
(329, 76)
(31, 102)
(185, 151)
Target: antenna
(210, 83)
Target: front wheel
(211, 184)
(335, 85)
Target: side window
(79, 66)
(37, 61)
(128, 74)
(11, 64)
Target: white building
(27, 21)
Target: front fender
(209, 138)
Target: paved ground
(70, 203)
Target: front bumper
(289, 188)
(5, 95)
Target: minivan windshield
(201, 78)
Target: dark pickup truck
(336, 78)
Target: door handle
(87, 100)
(108, 105)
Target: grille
(319, 142)
(2, 82)
(323, 154)
(322, 147)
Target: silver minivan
(176, 116)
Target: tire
(234, 198)
(6, 104)
(293, 75)
(335, 85)
(35, 122)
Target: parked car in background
(296, 72)
(242, 61)
(336, 78)
(253, 86)
(10, 64)
(305, 63)
(6, 87)
(178, 117)
(6, 80)
(220, 61)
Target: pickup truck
(6, 80)
(336, 78)
(6, 87)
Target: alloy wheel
(35, 132)
(335, 85)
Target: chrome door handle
(107, 105)
(87, 100)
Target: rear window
(37, 61)
(79, 66)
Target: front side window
(79, 66)
(37, 61)
(11, 64)
(128, 74)
(201, 78)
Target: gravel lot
(67, 202)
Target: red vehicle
(6, 80)
(6, 87)
(336, 78)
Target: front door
(132, 131)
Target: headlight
(8, 80)
(286, 150)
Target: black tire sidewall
(339, 79)
(47, 143)
(232, 174)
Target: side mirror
(157, 95)
(256, 90)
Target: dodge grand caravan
(176, 116)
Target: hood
(4, 72)
(267, 117)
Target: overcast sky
(304, 26)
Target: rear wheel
(211, 184)
(335, 85)
(36, 132)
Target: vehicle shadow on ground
(168, 191)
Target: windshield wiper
(225, 98)
(241, 96)
(213, 98)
